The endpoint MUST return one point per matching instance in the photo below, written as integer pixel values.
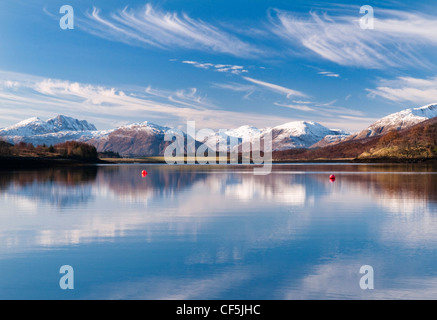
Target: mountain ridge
(147, 139)
(395, 121)
(414, 144)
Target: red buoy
(144, 173)
(332, 178)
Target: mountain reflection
(401, 186)
(62, 187)
(69, 176)
(286, 184)
(161, 181)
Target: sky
(222, 64)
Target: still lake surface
(219, 232)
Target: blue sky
(220, 63)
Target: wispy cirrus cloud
(227, 68)
(308, 105)
(329, 74)
(397, 38)
(329, 113)
(325, 109)
(301, 107)
(248, 90)
(407, 89)
(277, 88)
(151, 27)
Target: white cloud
(295, 106)
(166, 30)
(407, 89)
(329, 74)
(173, 288)
(235, 69)
(339, 279)
(396, 40)
(276, 88)
(238, 87)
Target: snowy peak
(298, 128)
(36, 126)
(29, 122)
(300, 134)
(243, 132)
(226, 140)
(64, 123)
(295, 125)
(58, 129)
(29, 126)
(146, 125)
(428, 112)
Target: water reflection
(213, 232)
(60, 187)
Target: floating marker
(144, 173)
(332, 178)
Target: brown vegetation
(67, 150)
(74, 149)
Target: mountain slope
(140, 139)
(418, 142)
(397, 121)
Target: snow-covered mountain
(330, 140)
(139, 139)
(226, 140)
(396, 121)
(300, 134)
(147, 138)
(296, 134)
(55, 130)
(36, 126)
(136, 139)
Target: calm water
(198, 232)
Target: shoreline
(30, 163)
(320, 160)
